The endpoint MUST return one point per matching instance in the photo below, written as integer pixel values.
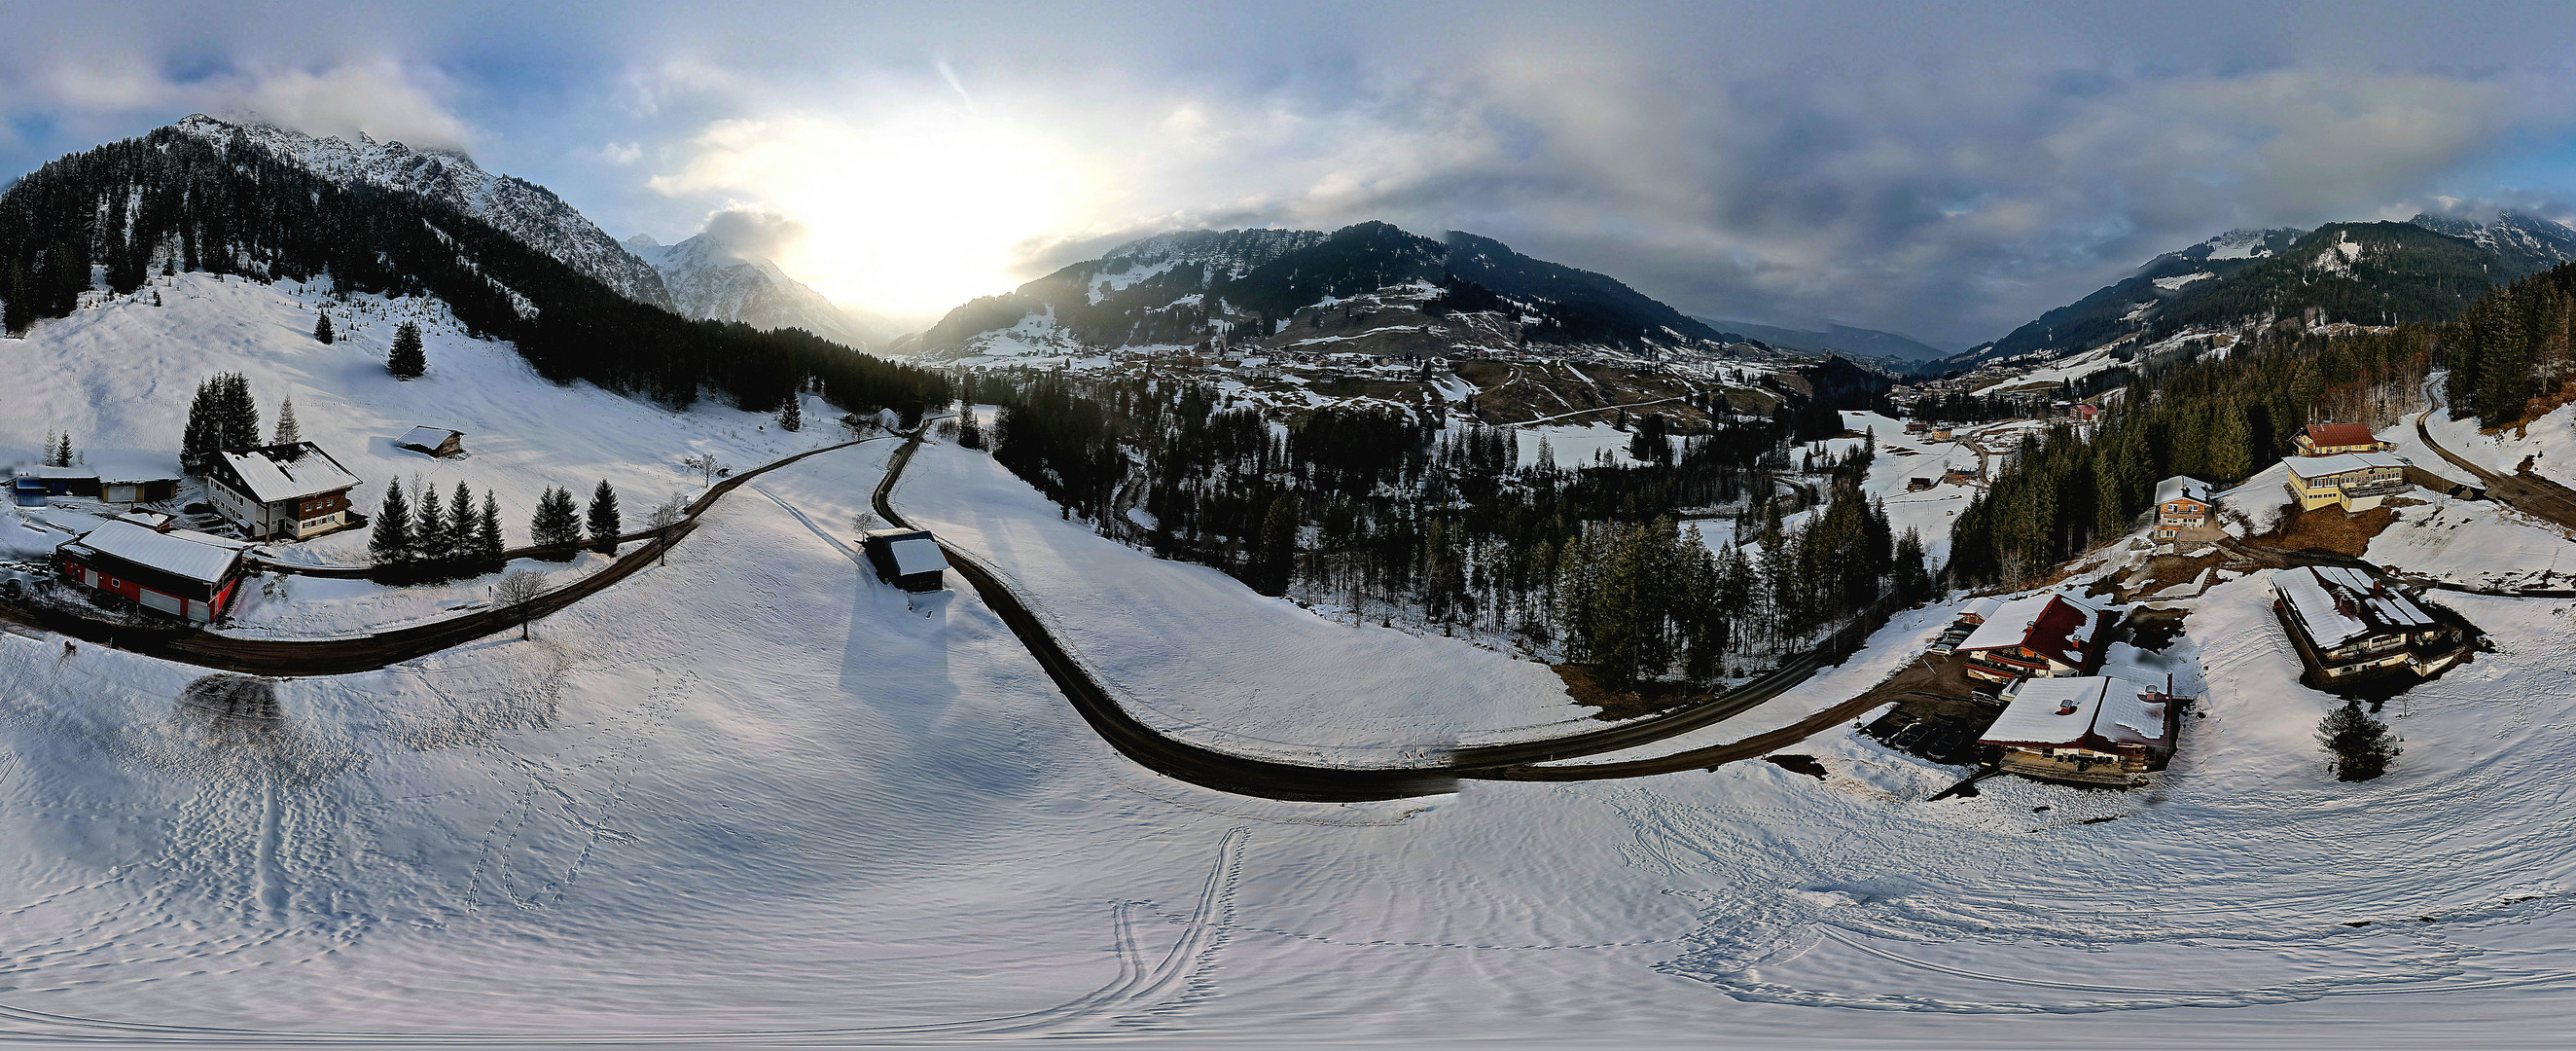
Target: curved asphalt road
(1270, 779)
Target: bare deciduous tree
(671, 512)
(518, 589)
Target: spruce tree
(603, 518)
(239, 414)
(487, 539)
(62, 450)
(556, 526)
(462, 544)
(407, 361)
(2360, 745)
(791, 417)
(199, 442)
(391, 542)
(429, 530)
(288, 431)
(321, 327)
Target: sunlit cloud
(910, 212)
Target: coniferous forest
(169, 201)
(1384, 515)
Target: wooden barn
(176, 571)
(906, 558)
(433, 441)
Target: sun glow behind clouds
(910, 213)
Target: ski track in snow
(1142, 983)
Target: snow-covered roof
(2055, 624)
(429, 437)
(2341, 463)
(916, 555)
(179, 552)
(1982, 609)
(2337, 604)
(2182, 487)
(2095, 711)
(289, 472)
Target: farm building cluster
(178, 545)
(2045, 705)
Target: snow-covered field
(756, 792)
(1199, 656)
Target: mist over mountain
(1835, 338)
(709, 279)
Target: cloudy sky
(1943, 170)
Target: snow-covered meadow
(756, 795)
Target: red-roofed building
(2330, 439)
(2043, 636)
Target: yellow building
(2352, 481)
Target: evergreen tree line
(2511, 346)
(172, 201)
(425, 542)
(1373, 508)
(417, 539)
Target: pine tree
(288, 431)
(239, 414)
(199, 442)
(61, 453)
(1277, 560)
(391, 542)
(556, 525)
(603, 518)
(487, 539)
(2360, 745)
(462, 544)
(321, 327)
(429, 530)
(407, 361)
(791, 416)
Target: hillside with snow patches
(2424, 269)
(754, 794)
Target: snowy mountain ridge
(708, 279)
(522, 209)
(2371, 273)
(1248, 286)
